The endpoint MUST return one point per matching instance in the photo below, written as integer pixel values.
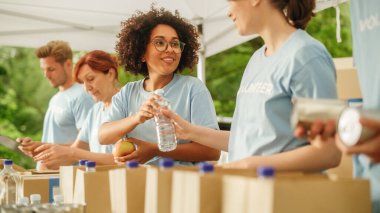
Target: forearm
(306, 159)
(217, 139)
(192, 152)
(111, 132)
(99, 158)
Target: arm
(184, 152)
(319, 156)
(54, 156)
(216, 139)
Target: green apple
(123, 148)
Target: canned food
(306, 111)
(350, 130)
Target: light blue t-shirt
(89, 132)
(302, 67)
(188, 97)
(365, 19)
(65, 115)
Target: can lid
(132, 164)
(35, 197)
(265, 171)
(349, 126)
(90, 164)
(8, 162)
(82, 162)
(206, 167)
(166, 163)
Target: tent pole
(201, 66)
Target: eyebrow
(164, 37)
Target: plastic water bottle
(58, 200)
(132, 164)
(35, 199)
(90, 166)
(205, 168)
(166, 163)
(12, 182)
(167, 140)
(23, 201)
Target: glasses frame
(181, 45)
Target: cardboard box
(45, 185)
(347, 79)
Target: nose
(46, 74)
(167, 48)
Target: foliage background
(24, 93)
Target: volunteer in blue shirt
(291, 63)
(159, 45)
(97, 70)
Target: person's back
(366, 47)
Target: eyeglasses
(162, 45)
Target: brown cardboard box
(347, 79)
(45, 185)
(311, 194)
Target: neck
(276, 32)
(69, 83)
(155, 82)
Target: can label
(350, 129)
(306, 111)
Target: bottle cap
(82, 162)
(90, 164)
(166, 163)
(265, 171)
(35, 197)
(58, 198)
(206, 167)
(8, 162)
(132, 164)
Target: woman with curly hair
(291, 63)
(159, 45)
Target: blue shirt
(65, 115)
(89, 132)
(188, 97)
(261, 122)
(365, 20)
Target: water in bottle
(167, 140)
(12, 184)
(35, 199)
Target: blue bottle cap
(90, 164)
(8, 162)
(265, 171)
(206, 167)
(166, 163)
(82, 162)
(132, 164)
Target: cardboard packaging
(45, 185)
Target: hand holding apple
(122, 148)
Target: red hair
(98, 61)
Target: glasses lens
(162, 45)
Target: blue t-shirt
(261, 122)
(89, 132)
(65, 116)
(187, 95)
(365, 19)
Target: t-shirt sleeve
(203, 110)
(315, 79)
(118, 107)
(84, 133)
(81, 107)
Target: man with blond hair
(68, 108)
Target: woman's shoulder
(189, 81)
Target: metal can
(306, 111)
(350, 130)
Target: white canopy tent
(94, 24)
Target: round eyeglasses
(162, 45)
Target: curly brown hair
(135, 35)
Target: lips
(168, 59)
